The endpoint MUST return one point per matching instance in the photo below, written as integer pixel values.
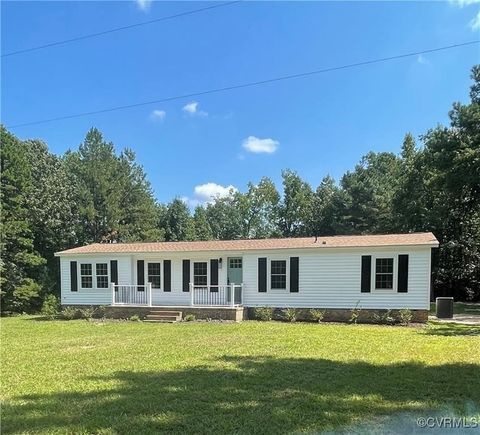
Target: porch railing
(132, 294)
(216, 295)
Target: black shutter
(366, 273)
(114, 271)
(73, 276)
(186, 275)
(402, 273)
(167, 275)
(293, 274)
(141, 275)
(214, 275)
(262, 274)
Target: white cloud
(475, 23)
(193, 110)
(255, 145)
(207, 193)
(158, 115)
(422, 60)
(462, 3)
(144, 5)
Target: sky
(200, 146)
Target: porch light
(220, 261)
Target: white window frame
(107, 275)
(192, 272)
(147, 262)
(394, 257)
(287, 274)
(94, 275)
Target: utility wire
(118, 29)
(246, 85)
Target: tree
(19, 259)
(224, 218)
(257, 208)
(179, 223)
(115, 199)
(325, 209)
(369, 192)
(203, 231)
(294, 211)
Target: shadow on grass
(451, 329)
(247, 395)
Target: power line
(246, 85)
(118, 29)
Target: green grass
(252, 377)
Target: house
(228, 278)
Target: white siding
(328, 278)
(93, 296)
(331, 279)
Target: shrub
(50, 307)
(69, 313)
(134, 318)
(86, 313)
(263, 313)
(317, 315)
(290, 314)
(355, 314)
(385, 318)
(101, 311)
(189, 318)
(405, 316)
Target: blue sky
(193, 147)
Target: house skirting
(243, 313)
(344, 315)
(125, 312)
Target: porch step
(164, 316)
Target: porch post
(190, 285)
(232, 294)
(112, 286)
(149, 286)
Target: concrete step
(165, 312)
(164, 316)
(159, 321)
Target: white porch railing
(138, 295)
(216, 295)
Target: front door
(235, 275)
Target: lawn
(251, 377)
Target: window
(384, 273)
(102, 275)
(278, 274)
(153, 273)
(86, 277)
(200, 273)
(235, 263)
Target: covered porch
(133, 295)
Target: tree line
(94, 194)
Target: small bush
(263, 313)
(69, 313)
(405, 316)
(289, 314)
(134, 318)
(355, 314)
(50, 307)
(317, 315)
(86, 313)
(101, 311)
(385, 318)
(189, 318)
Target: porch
(229, 295)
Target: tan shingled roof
(260, 244)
